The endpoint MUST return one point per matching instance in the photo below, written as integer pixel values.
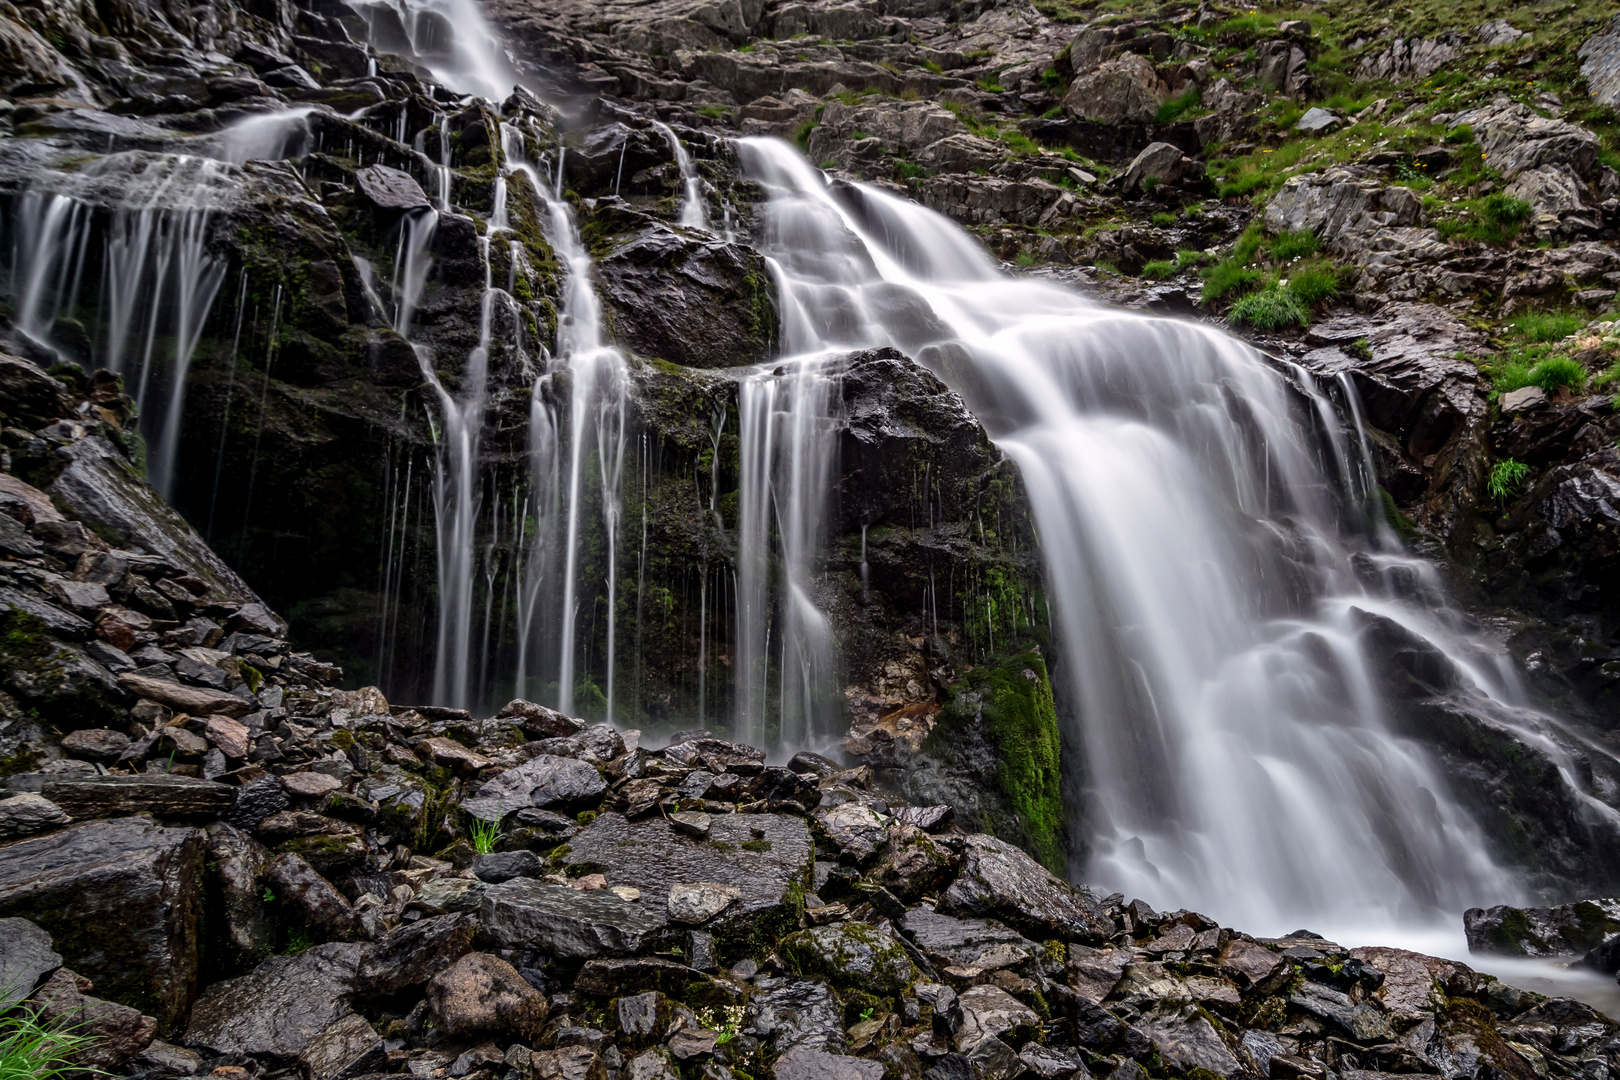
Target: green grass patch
(1270, 309)
(1228, 278)
(1495, 219)
(1159, 268)
(1173, 109)
(909, 170)
(1314, 282)
(1164, 220)
(31, 1050)
(1542, 327)
(1294, 245)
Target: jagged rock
(26, 960)
(279, 1007)
(196, 700)
(1565, 930)
(568, 1063)
(1124, 90)
(240, 863)
(27, 814)
(1411, 58)
(483, 994)
(851, 954)
(1161, 163)
(990, 1012)
(1515, 138)
(445, 895)
(1186, 1040)
(349, 1046)
(913, 865)
(981, 943)
(1341, 208)
(1000, 881)
(255, 801)
(28, 396)
(1317, 121)
(149, 793)
(855, 828)
(542, 781)
(695, 301)
(1051, 1063)
(1280, 65)
(298, 886)
(412, 954)
(796, 1014)
(805, 1064)
(500, 866)
(567, 922)
(1498, 32)
(95, 744)
(122, 901)
(1600, 64)
(538, 721)
(168, 1058)
(115, 1032)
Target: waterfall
(693, 213)
(1199, 557)
(450, 38)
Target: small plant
(1159, 268)
(1295, 245)
(1025, 259)
(866, 1013)
(484, 834)
(1359, 349)
(1270, 309)
(298, 943)
(31, 1050)
(1186, 257)
(1164, 219)
(1507, 477)
(1229, 278)
(1541, 327)
(1172, 110)
(909, 170)
(269, 895)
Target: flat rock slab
(806, 1064)
(415, 952)
(1001, 881)
(391, 189)
(802, 1014)
(122, 901)
(196, 700)
(565, 922)
(616, 977)
(279, 1007)
(951, 942)
(26, 960)
(147, 793)
(545, 780)
(759, 855)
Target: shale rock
(1000, 881)
(26, 959)
(276, 1010)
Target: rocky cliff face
(290, 239)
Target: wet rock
(1251, 964)
(1565, 930)
(121, 900)
(26, 960)
(691, 822)
(1124, 90)
(483, 994)
(413, 953)
(279, 1007)
(855, 828)
(1187, 1040)
(298, 886)
(28, 396)
(444, 895)
(1363, 1023)
(760, 855)
(567, 922)
(1000, 881)
(27, 814)
(544, 781)
(796, 1014)
(148, 793)
(913, 865)
(869, 958)
(449, 753)
(499, 866)
(196, 700)
(1341, 208)
(240, 863)
(310, 785)
(1524, 399)
(637, 975)
(655, 1064)
(981, 943)
(391, 190)
(689, 299)
(95, 744)
(167, 1058)
(115, 1032)
(255, 801)
(1515, 138)
(807, 1064)
(539, 722)
(568, 1063)
(349, 1046)
(1052, 1063)
(699, 902)
(990, 1012)
(641, 1018)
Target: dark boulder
(26, 959)
(275, 1010)
(115, 1033)
(1000, 881)
(484, 995)
(122, 901)
(148, 793)
(413, 953)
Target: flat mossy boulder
(851, 954)
(1564, 930)
(122, 901)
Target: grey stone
(350, 1045)
(691, 822)
(391, 189)
(796, 1014)
(990, 1012)
(137, 884)
(445, 895)
(95, 744)
(298, 886)
(869, 958)
(239, 864)
(1124, 90)
(26, 960)
(543, 781)
(696, 903)
(805, 1064)
(1161, 163)
(1600, 64)
(1051, 1062)
(855, 828)
(951, 942)
(1524, 399)
(166, 1057)
(1186, 1040)
(499, 866)
(115, 1033)
(482, 994)
(1000, 881)
(196, 700)
(655, 1064)
(413, 953)
(27, 814)
(992, 1059)
(566, 922)
(1565, 930)
(279, 1007)
(1341, 208)
(1317, 121)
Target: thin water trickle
(694, 215)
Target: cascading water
(1201, 562)
(693, 213)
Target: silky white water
(1198, 508)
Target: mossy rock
(851, 955)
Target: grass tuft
(1270, 309)
(1294, 245)
(31, 1050)
(1507, 477)
(1314, 282)
(1541, 327)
